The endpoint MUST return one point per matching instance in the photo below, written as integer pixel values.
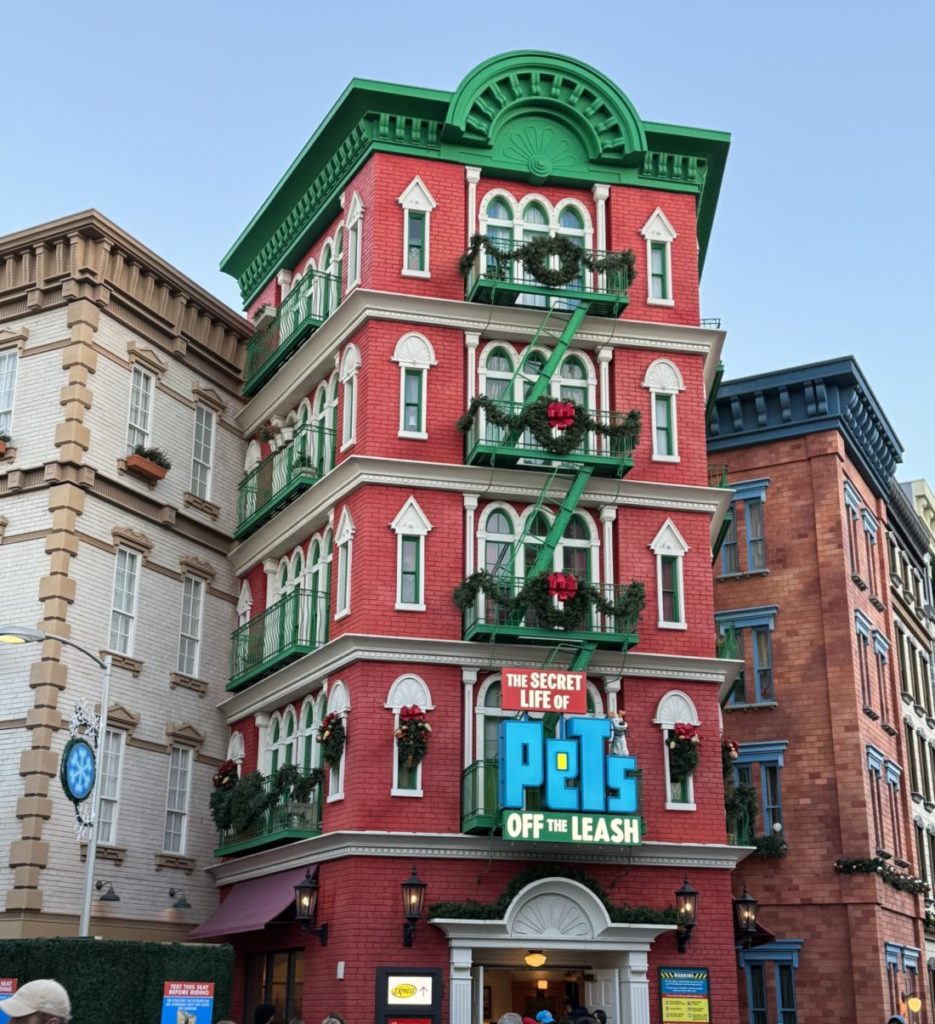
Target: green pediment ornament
(544, 115)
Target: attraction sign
(528, 689)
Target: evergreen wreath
(534, 417)
(536, 257)
(412, 736)
(771, 845)
(683, 751)
(534, 597)
(332, 737)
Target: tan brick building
(103, 347)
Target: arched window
(496, 376)
(318, 593)
(323, 437)
(355, 220)
(670, 549)
(676, 708)
(414, 354)
(274, 732)
(338, 284)
(350, 364)
(235, 748)
(496, 222)
(344, 540)
(338, 704)
(244, 604)
(308, 753)
(289, 745)
(327, 286)
(664, 382)
(497, 536)
(571, 226)
(535, 225)
(406, 692)
(488, 718)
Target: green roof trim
(529, 115)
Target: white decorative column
(284, 280)
(604, 356)
(472, 176)
(612, 689)
(261, 721)
(471, 341)
(470, 507)
(468, 679)
(270, 565)
(601, 194)
(459, 992)
(608, 518)
(634, 988)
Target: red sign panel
(409, 1020)
(544, 689)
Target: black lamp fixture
(110, 896)
(413, 898)
(181, 903)
(306, 903)
(686, 912)
(745, 908)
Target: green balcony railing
(740, 828)
(717, 477)
(295, 625)
(480, 797)
(282, 476)
(485, 620)
(507, 284)
(312, 300)
(728, 645)
(284, 820)
(487, 444)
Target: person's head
(599, 1016)
(510, 1018)
(296, 1020)
(528, 1020)
(333, 1018)
(264, 1013)
(544, 1017)
(39, 1002)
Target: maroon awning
(251, 905)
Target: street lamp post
(14, 635)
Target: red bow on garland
(562, 585)
(560, 414)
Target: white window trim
(244, 604)
(210, 463)
(414, 352)
(183, 840)
(122, 745)
(131, 632)
(147, 431)
(407, 690)
(664, 378)
(344, 541)
(350, 365)
(669, 543)
(14, 355)
(658, 229)
(338, 703)
(199, 622)
(416, 198)
(410, 521)
(354, 228)
(235, 747)
(676, 707)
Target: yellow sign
(914, 1003)
(409, 990)
(685, 1010)
(404, 991)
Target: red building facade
(393, 560)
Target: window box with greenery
(149, 463)
(5, 440)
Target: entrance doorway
(528, 991)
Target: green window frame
(413, 409)
(669, 584)
(410, 570)
(659, 270)
(663, 433)
(416, 225)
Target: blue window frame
(753, 628)
(783, 955)
(768, 758)
(730, 556)
(750, 495)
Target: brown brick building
(803, 591)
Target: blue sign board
(187, 1002)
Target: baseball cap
(42, 996)
(544, 1017)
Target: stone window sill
(175, 861)
(202, 504)
(767, 704)
(198, 686)
(133, 665)
(114, 854)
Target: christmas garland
(534, 597)
(771, 846)
(536, 418)
(332, 737)
(730, 751)
(536, 257)
(412, 736)
(878, 866)
(683, 751)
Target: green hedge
(119, 981)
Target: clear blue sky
(177, 119)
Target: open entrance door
(557, 988)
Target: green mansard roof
(535, 116)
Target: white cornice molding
(302, 517)
(298, 678)
(454, 846)
(313, 362)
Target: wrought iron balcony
(281, 820)
(295, 625)
(487, 444)
(480, 798)
(486, 620)
(499, 284)
(312, 300)
(282, 476)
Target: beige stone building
(105, 347)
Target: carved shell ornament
(552, 915)
(542, 150)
